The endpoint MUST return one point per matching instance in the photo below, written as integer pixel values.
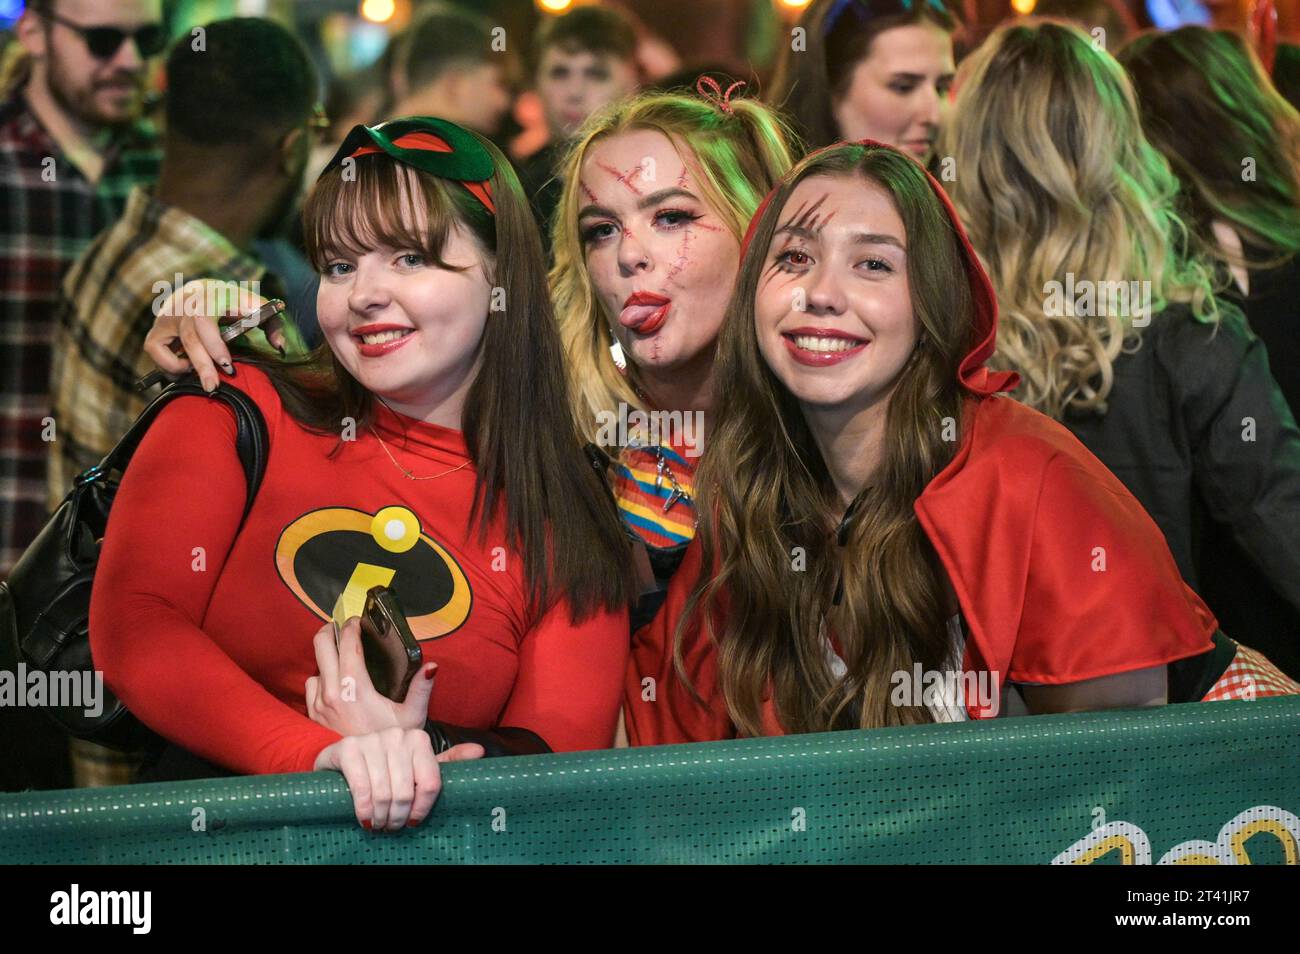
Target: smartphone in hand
(229, 332)
(392, 655)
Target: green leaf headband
(431, 145)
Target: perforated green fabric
(1203, 782)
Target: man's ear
(31, 31)
(291, 146)
(451, 84)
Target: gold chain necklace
(406, 473)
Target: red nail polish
(429, 671)
(413, 824)
(366, 825)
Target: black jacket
(1242, 597)
(1273, 312)
(1199, 431)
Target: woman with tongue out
(657, 193)
(871, 507)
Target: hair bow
(714, 92)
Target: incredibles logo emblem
(339, 552)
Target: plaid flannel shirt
(109, 305)
(49, 212)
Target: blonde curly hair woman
(1113, 326)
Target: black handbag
(45, 602)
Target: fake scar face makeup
(833, 311)
(661, 260)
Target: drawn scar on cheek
(774, 273)
(774, 269)
(623, 177)
(683, 259)
(784, 279)
(706, 227)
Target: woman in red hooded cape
(985, 562)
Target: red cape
(1060, 573)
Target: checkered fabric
(108, 308)
(1251, 676)
(49, 212)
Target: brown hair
(838, 35)
(765, 494)
(444, 37)
(588, 30)
(518, 425)
(1208, 105)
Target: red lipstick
(821, 359)
(644, 312)
(379, 350)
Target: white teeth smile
(811, 343)
(383, 337)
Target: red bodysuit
(206, 635)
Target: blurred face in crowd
(407, 330)
(660, 259)
(95, 90)
(476, 95)
(898, 94)
(833, 312)
(574, 83)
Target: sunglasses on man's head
(104, 41)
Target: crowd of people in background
(870, 289)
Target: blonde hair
(739, 155)
(1056, 181)
(15, 67)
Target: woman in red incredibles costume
(427, 446)
(884, 538)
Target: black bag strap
(251, 440)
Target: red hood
(974, 375)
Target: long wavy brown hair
(768, 508)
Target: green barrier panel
(1201, 782)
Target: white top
(944, 692)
